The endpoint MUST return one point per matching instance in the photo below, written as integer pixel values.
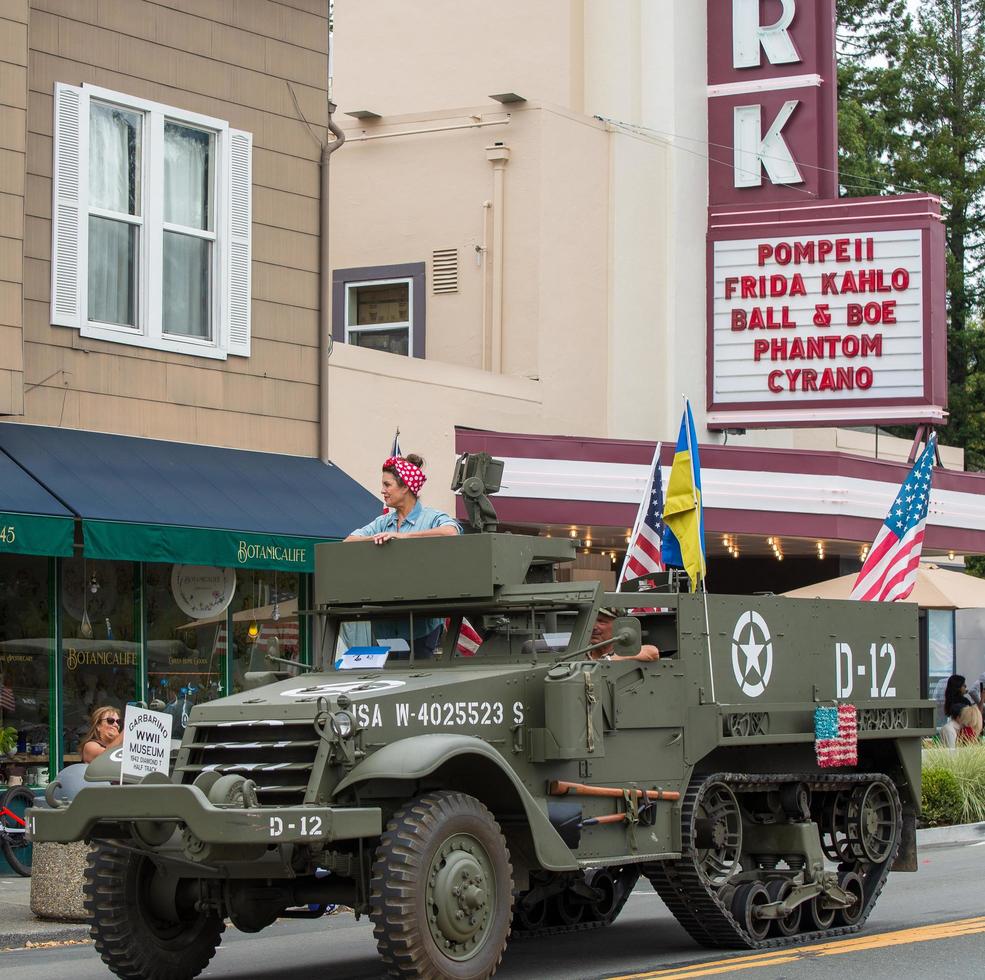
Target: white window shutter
(237, 312)
(68, 223)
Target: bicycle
(17, 849)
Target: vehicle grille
(278, 756)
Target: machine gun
(476, 476)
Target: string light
(573, 532)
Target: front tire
(134, 941)
(441, 894)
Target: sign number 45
(8, 534)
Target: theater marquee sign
(821, 310)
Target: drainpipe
(497, 155)
(325, 278)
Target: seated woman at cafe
(105, 732)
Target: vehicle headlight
(342, 724)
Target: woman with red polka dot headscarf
(407, 517)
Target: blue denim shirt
(421, 518)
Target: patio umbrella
(935, 588)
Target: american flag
(469, 640)
(836, 736)
(643, 552)
(7, 702)
(890, 569)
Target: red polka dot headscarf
(413, 476)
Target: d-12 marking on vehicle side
(524, 788)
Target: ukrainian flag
(684, 546)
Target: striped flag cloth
(469, 640)
(890, 569)
(643, 552)
(836, 736)
(7, 702)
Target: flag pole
(704, 571)
(640, 514)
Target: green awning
(156, 501)
(198, 546)
(32, 521)
(36, 534)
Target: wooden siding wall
(227, 58)
(13, 145)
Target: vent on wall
(444, 270)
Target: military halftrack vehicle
(511, 784)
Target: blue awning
(151, 500)
(32, 521)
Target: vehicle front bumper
(109, 807)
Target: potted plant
(8, 740)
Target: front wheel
(144, 924)
(17, 849)
(441, 894)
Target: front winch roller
(752, 873)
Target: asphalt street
(930, 922)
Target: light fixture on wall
(253, 630)
(950, 556)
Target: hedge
(953, 785)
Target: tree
(912, 117)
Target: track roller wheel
(851, 882)
(818, 915)
(789, 925)
(441, 892)
(747, 899)
(142, 925)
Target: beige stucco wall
(233, 61)
(13, 146)
(443, 53)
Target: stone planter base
(56, 881)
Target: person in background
(407, 517)
(957, 692)
(963, 725)
(105, 732)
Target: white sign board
(361, 658)
(146, 741)
(202, 591)
(800, 321)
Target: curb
(955, 834)
(39, 932)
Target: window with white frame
(151, 224)
(380, 307)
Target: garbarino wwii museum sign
(821, 310)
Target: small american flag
(469, 640)
(836, 736)
(643, 553)
(890, 569)
(7, 702)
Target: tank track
(521, 932)
(698, 908)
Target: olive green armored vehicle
(510, 783)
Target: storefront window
(265, 623)
(186, 636)
(100, 642)
(25, 657)
(940, 654)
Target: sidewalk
(18, 927)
